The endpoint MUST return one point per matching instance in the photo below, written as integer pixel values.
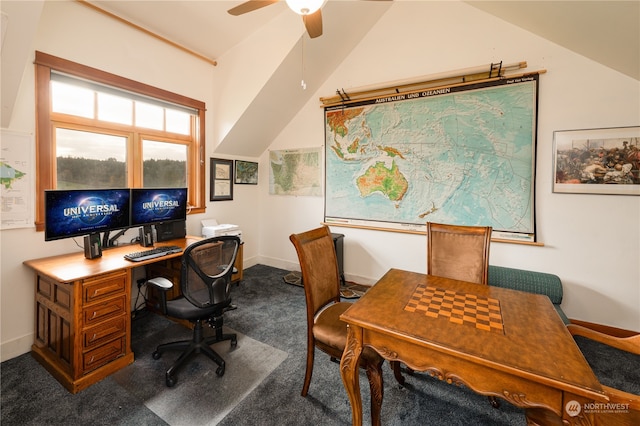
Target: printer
(211, 228)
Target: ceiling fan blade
(313, 24)
(250, 6)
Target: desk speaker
(92, 247)
(146, 236)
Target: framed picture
(597, 161)
(246, 172)
(221, 179)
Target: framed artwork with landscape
(597, 161)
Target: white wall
(591, 241)
(77, 33)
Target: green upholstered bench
(529, 281)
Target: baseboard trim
(16, 347)
(612, 331)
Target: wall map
(461, 154)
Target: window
(164, 164)
(99, 130)
(86, 159)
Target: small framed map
(246, 172)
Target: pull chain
(302, 83)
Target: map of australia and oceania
(463, 157)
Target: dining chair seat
(330, 330)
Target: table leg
(349, 372)
(374, 374)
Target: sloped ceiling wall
(282, 95)
(605, 31)
(19, 24)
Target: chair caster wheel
(220, 371)
(156, 355)
(234, 343)
(170, 381)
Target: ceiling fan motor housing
(305, 7)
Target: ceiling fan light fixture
(305, 7)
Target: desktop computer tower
(171, 230)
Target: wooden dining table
(497, 342)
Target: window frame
(45, 145)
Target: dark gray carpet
(272, 312)
(277, 317)
(182, 404)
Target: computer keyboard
(139, 256)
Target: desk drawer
(104, 332)
(103, 354)
(104, 310)
(103, 286)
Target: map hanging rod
(464, 75)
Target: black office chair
(205, 282)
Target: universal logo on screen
(91, 210)
(161, 205)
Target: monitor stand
(92, 247)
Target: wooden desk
(83, 313)
(530, 360)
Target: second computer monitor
(158, 205)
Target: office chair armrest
(161, 282)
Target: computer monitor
(78, 212)
(158, 205)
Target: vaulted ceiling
(604, 31)
(607, 32)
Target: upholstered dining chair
(458, 252)
(205, 281)
(325, 330)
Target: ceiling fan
(309, 9)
